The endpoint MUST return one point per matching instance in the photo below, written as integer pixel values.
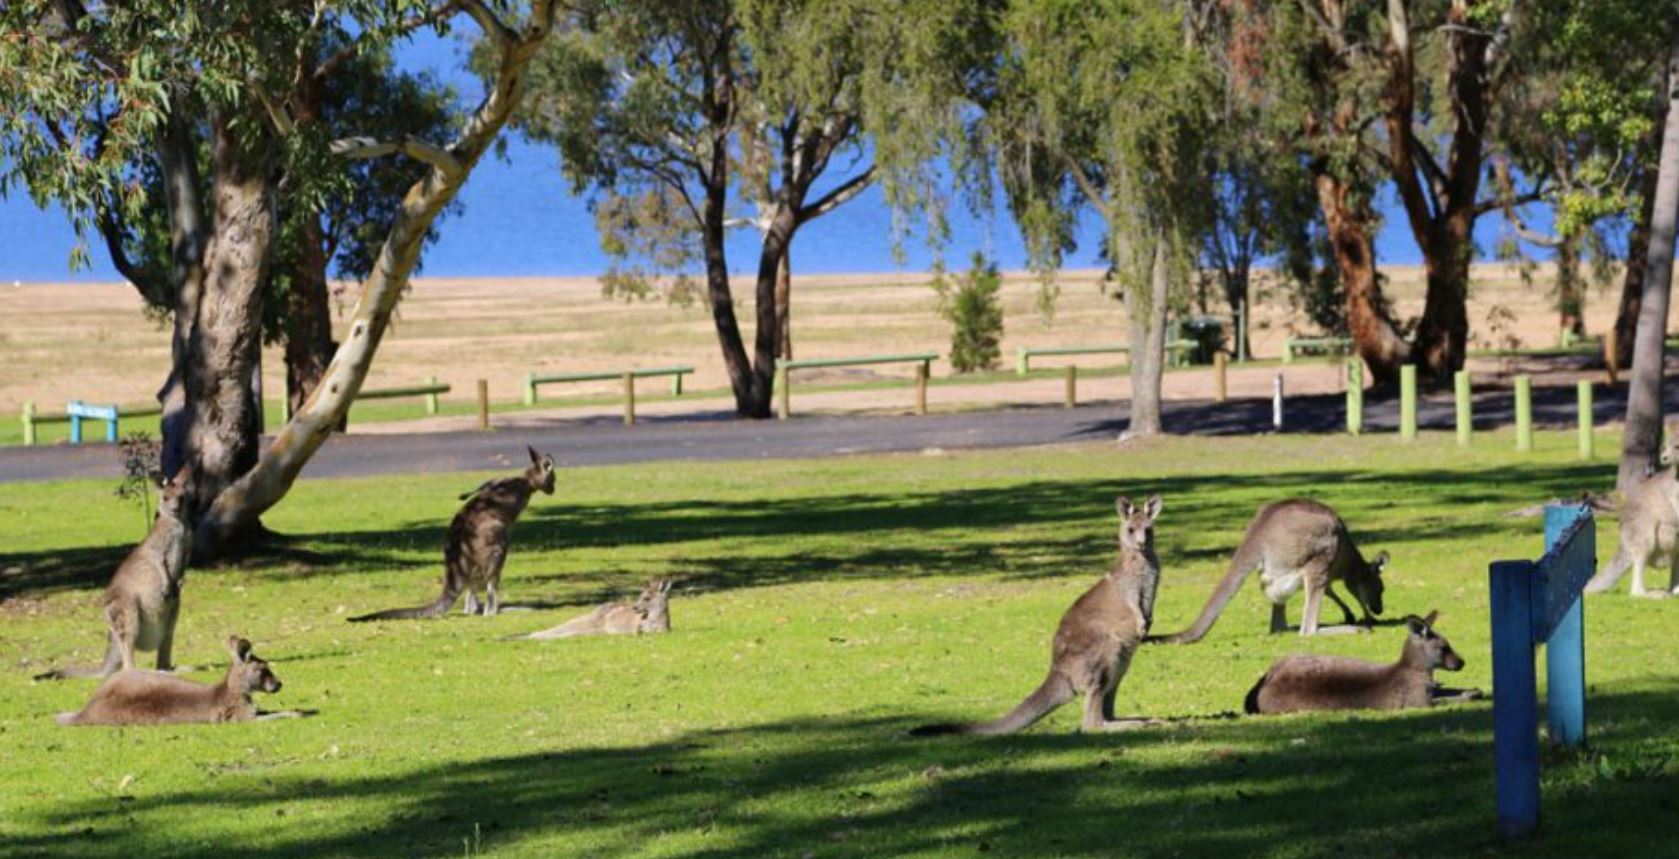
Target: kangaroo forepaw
(1112, 726)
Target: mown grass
(826, 606)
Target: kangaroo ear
(536, 458)
(1124, 506)
(239, 647)
(1381, 560)
(1416, 625)
(1151, 508)
(1429, 621)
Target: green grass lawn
(826, 606)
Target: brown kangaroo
(1300, 683)
(1295, 543)
(649, 613)
(1097, 637)
(154, 698)
(1649, 533)
(144, 597)
(476, 546)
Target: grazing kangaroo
(1649, 532)
(1299, 683)
(649, 613)
(144, 597)
(476, 546)
(1096, 639)
(1295, 543)
(154, 698)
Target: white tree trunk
(1146, 305)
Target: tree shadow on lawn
(1417, 784)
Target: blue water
(520, 220)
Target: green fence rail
(1177, 349)
(533, 381)
(922, 360)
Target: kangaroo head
(1428, 648)
(654, 595)
(1136, 524)
(541, 472)
(250, 671)
(1366, 584)
(172, 493)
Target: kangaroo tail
(1248, 557)
(1053, 692)
(1610, 575)
(66, 718)
(1250, 704)
(113, 661)
(436, 609)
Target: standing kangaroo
(1649, 532)
(1299, 683)
(1096, 639)
(649, 613)
(476, 546)
(1295, 543)
(153, 698)
(144, 597)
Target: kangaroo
(1649, 532)
(144, 597)
(649, 613)
(476, 545)
(154, 698)
(1096, 639)
(1300, 683)
(1295, 543)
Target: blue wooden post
(1515, 715)
(75, 422)
(1565, 651)
(111, 425)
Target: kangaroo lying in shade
(1096, 639)
(649, 613)
(476, 546)
(1299, 683)
(155, 698)
(1296, 543)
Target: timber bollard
(922, 371)
(1219, 390)
(483, 404)
(629, 399)
(1524, 414)
(28, 423)
(1611, 355)
(1072, 398)
(1355, 396)
(1277, 403)
(1583, 389)
(783, 396)
(1465, 409)
(1408, 402)
(431, 399)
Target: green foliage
(972, 306)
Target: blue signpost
(80, 411)
(1533, 603)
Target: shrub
(970, 303)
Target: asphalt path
(719, 437)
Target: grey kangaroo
(1097, 637)
(144, 597)
(476, 546)
(1300, 683)
(154, 698)
(1649, 532)
(649, 613)
(1295, 543)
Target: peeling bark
(1375, 337)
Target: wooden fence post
(1071, 400)
(1611, 355)
(431, 399)
(1524, 414)
(530, 389)
(1277, 403)
(1515, 711)
(1355, 396)
(1465, 407)
(1583, 394)
(285, 398)
(1565, 651)
(783, 393)
(922, 371)
(1022, 361)
(483, 404)
(1219, 364)
(1408, 402)
(28, 423)
(629, 399)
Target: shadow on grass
(1397, 785)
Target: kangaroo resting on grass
(1096, 639)
(155, 698)
(1649, 532)
(1295, 543)
(476, 545)
(144, 597)
(1299, 683)
(649, 613)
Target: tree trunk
(771, 257)
(1374, 335)
(739, 367)
(784, 301)
(1632, 284)
(238, 506)
(308, 326)
(1641, 441)
(1146, 306)
(1571, 290)
(183, 196)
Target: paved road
(716, 437)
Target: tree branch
(413, 147)
(492, 25)
(837, 197)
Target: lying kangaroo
(1096, 639)
(154, 698)
(144, 597)
(649, 613)
(1296, 542)
(476, 546)
(1649, 532)
(1299, 683)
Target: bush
(970, 303)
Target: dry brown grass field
(92, 341)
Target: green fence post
(1587, 446)
(530, 389)
(1288, 350)
(28, 423)
(1465, 411)
(783, 395)
(1408, 401)
(676, 384)
(1355, 396)
(431, 399)
(1524, 414)
(1022, 363)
